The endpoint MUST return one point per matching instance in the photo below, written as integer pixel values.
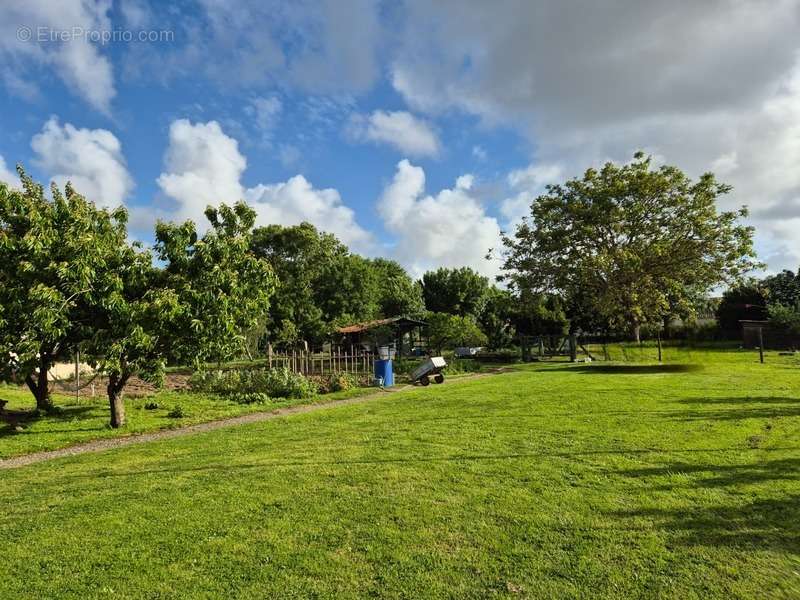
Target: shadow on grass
(746, 400)
(714, 476)
(629, 369)
(768, 524)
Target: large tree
(55, 257)
(224, 290)
(299, 255)
(456, 291)
(629, 240)
(398, 293)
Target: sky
(414, 130)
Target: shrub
(176, 412)
(250, 398)
(151, 406)
(276, 383)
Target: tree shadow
(748, 400)
(759, 411)
(645, 369)
(765, 523)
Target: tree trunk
(637, 331)
(39, 385)
(116, 383)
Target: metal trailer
(431, 368)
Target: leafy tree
(455, 291)
(299, 256)
(224, 290)
(497, 318)
(348, 290)
(747, 301)
(783, 288)
(399, 295)
(449, 331)
(628, 240)
(785, 317)
(54, 264)
(132, 325)
(540, 314)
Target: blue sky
(413, 130)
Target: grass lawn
(554, 480)
(87, 419)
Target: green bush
(275, 383)
(250, 398)
(176, 413)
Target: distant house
(404, 334)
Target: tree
(54, 263)
(628, 240)
(223, 289)
(449, 331)
(398, 294)
(744, 302)
(455, 291)
(132, 326)
(299, 255)
(497, 318)
(783, 288)
(347, 290)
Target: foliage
(460, 292)
(498, 316)
(785, 318)
(224, 291)
(299, 255)
(347, 290)
(279, 382)
(783, 288)
(629, 239)
(250, 398)
(398, 294)
(55, 268)
(444, 330)
(337, 382)
(177, 412)
(540, 314)
(747, 301)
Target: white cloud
(449, 229)
(400, 129)
(203, 166)
(526, 184)
(90, 158)
(479, 153)
(8, 176)
(296, 200)
(597, 81)
(76, 61)
(265, 112)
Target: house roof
(365, 326)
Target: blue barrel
(383, 370)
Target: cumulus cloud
(90, 158)
(704, 85)
(26, 43)
(526, 184)
(400, 129)
(204, 166)
(8, 176)
(449, 229)
(296, 200)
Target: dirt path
(165, 434)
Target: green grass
(554, 480)
(87, 419)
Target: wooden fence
(337, 360)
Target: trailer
(431, 368)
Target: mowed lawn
(555, 480)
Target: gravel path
(107, 444)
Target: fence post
(761, 344)
(269, 355)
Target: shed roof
(359, 327)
